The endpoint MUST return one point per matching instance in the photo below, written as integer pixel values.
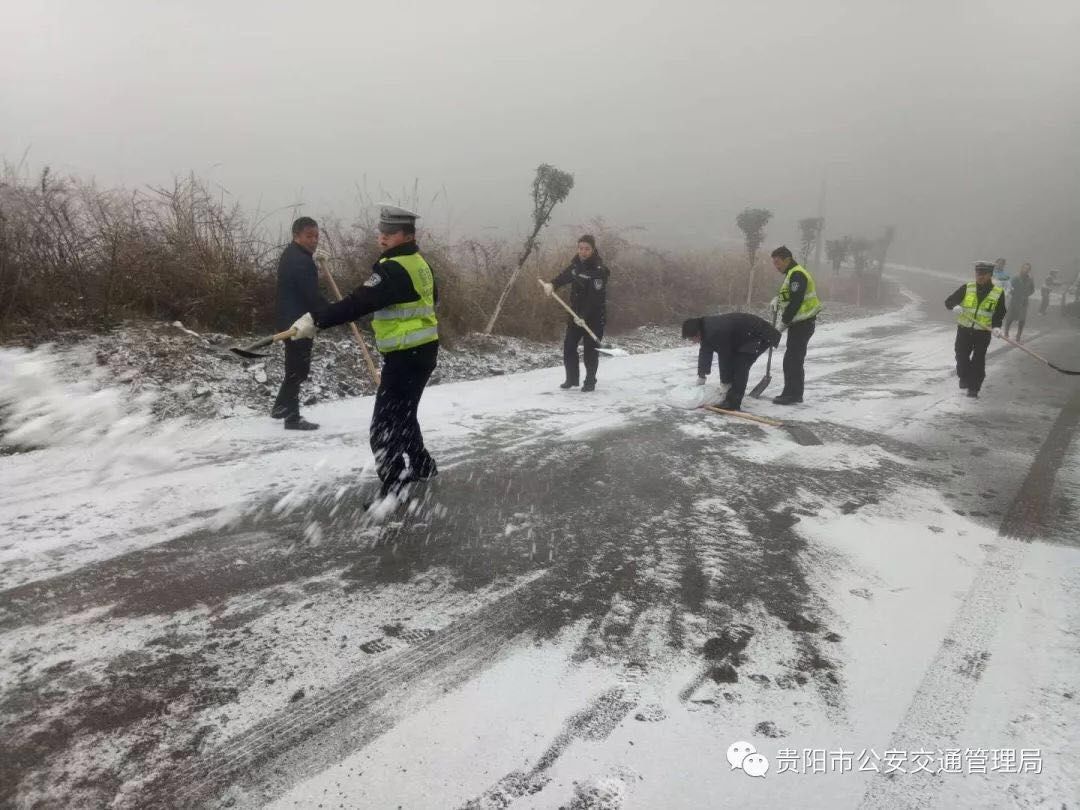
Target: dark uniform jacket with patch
(981, 291)
(732, 333)
(388, 284)
(297, 286)
(588, 280)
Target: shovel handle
(374, 372)
(763, 419)
(577, 318)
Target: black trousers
(574, 335)
(735, 372)
(971, 345)
(297, 367)
(396, 440)
(798, 337)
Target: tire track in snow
(272, 755)
(941, 703)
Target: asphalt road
(652, 542)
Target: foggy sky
(957, 122)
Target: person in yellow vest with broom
(401, 294)
(980, 308)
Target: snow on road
(602, 593)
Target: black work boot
(963, 384)
(299, 423)
(973, 393)
(568, 384)
(786, 399)
(590, 385)
(426, 470)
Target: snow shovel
(374, 372)
(251, 352)
(609, 350)
(759, 389)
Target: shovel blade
(246, 353)
(802, 434)
(759, 389)
(250, 350)
(611, 351)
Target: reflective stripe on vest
(811, 305)
(391, 314)
(976, 313)
(412, 323)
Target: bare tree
(860, 253)
(809, 229)
(752, 222)
(882, 245)
(550, 187)
(838, 251)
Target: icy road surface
(599, 596)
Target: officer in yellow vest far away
(402, 295)
(980, 309)
(798, 305)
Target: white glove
(579, 321)
(305, 327)
(322, 256)
(774, 305)
(549, 289)
(996, 331)
(701, 380)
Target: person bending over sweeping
(737, 339)
(980, 305)
(588, 278)
(402, 295)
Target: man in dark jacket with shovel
(737, 339)
(297, 293)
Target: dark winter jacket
(388, 284)
(732, 333)
(1023, 287)
(981, 291)
(297, 286)
(588, 282)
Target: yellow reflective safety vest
(413, 323)
(811, 305)
(976, 313)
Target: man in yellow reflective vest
(980, 310)
(798, 305)
(401, 294)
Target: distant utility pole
(821, 220)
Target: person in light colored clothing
(1023, 287)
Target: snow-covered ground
(601, 595)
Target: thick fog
(957, 121)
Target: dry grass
(74, 255)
